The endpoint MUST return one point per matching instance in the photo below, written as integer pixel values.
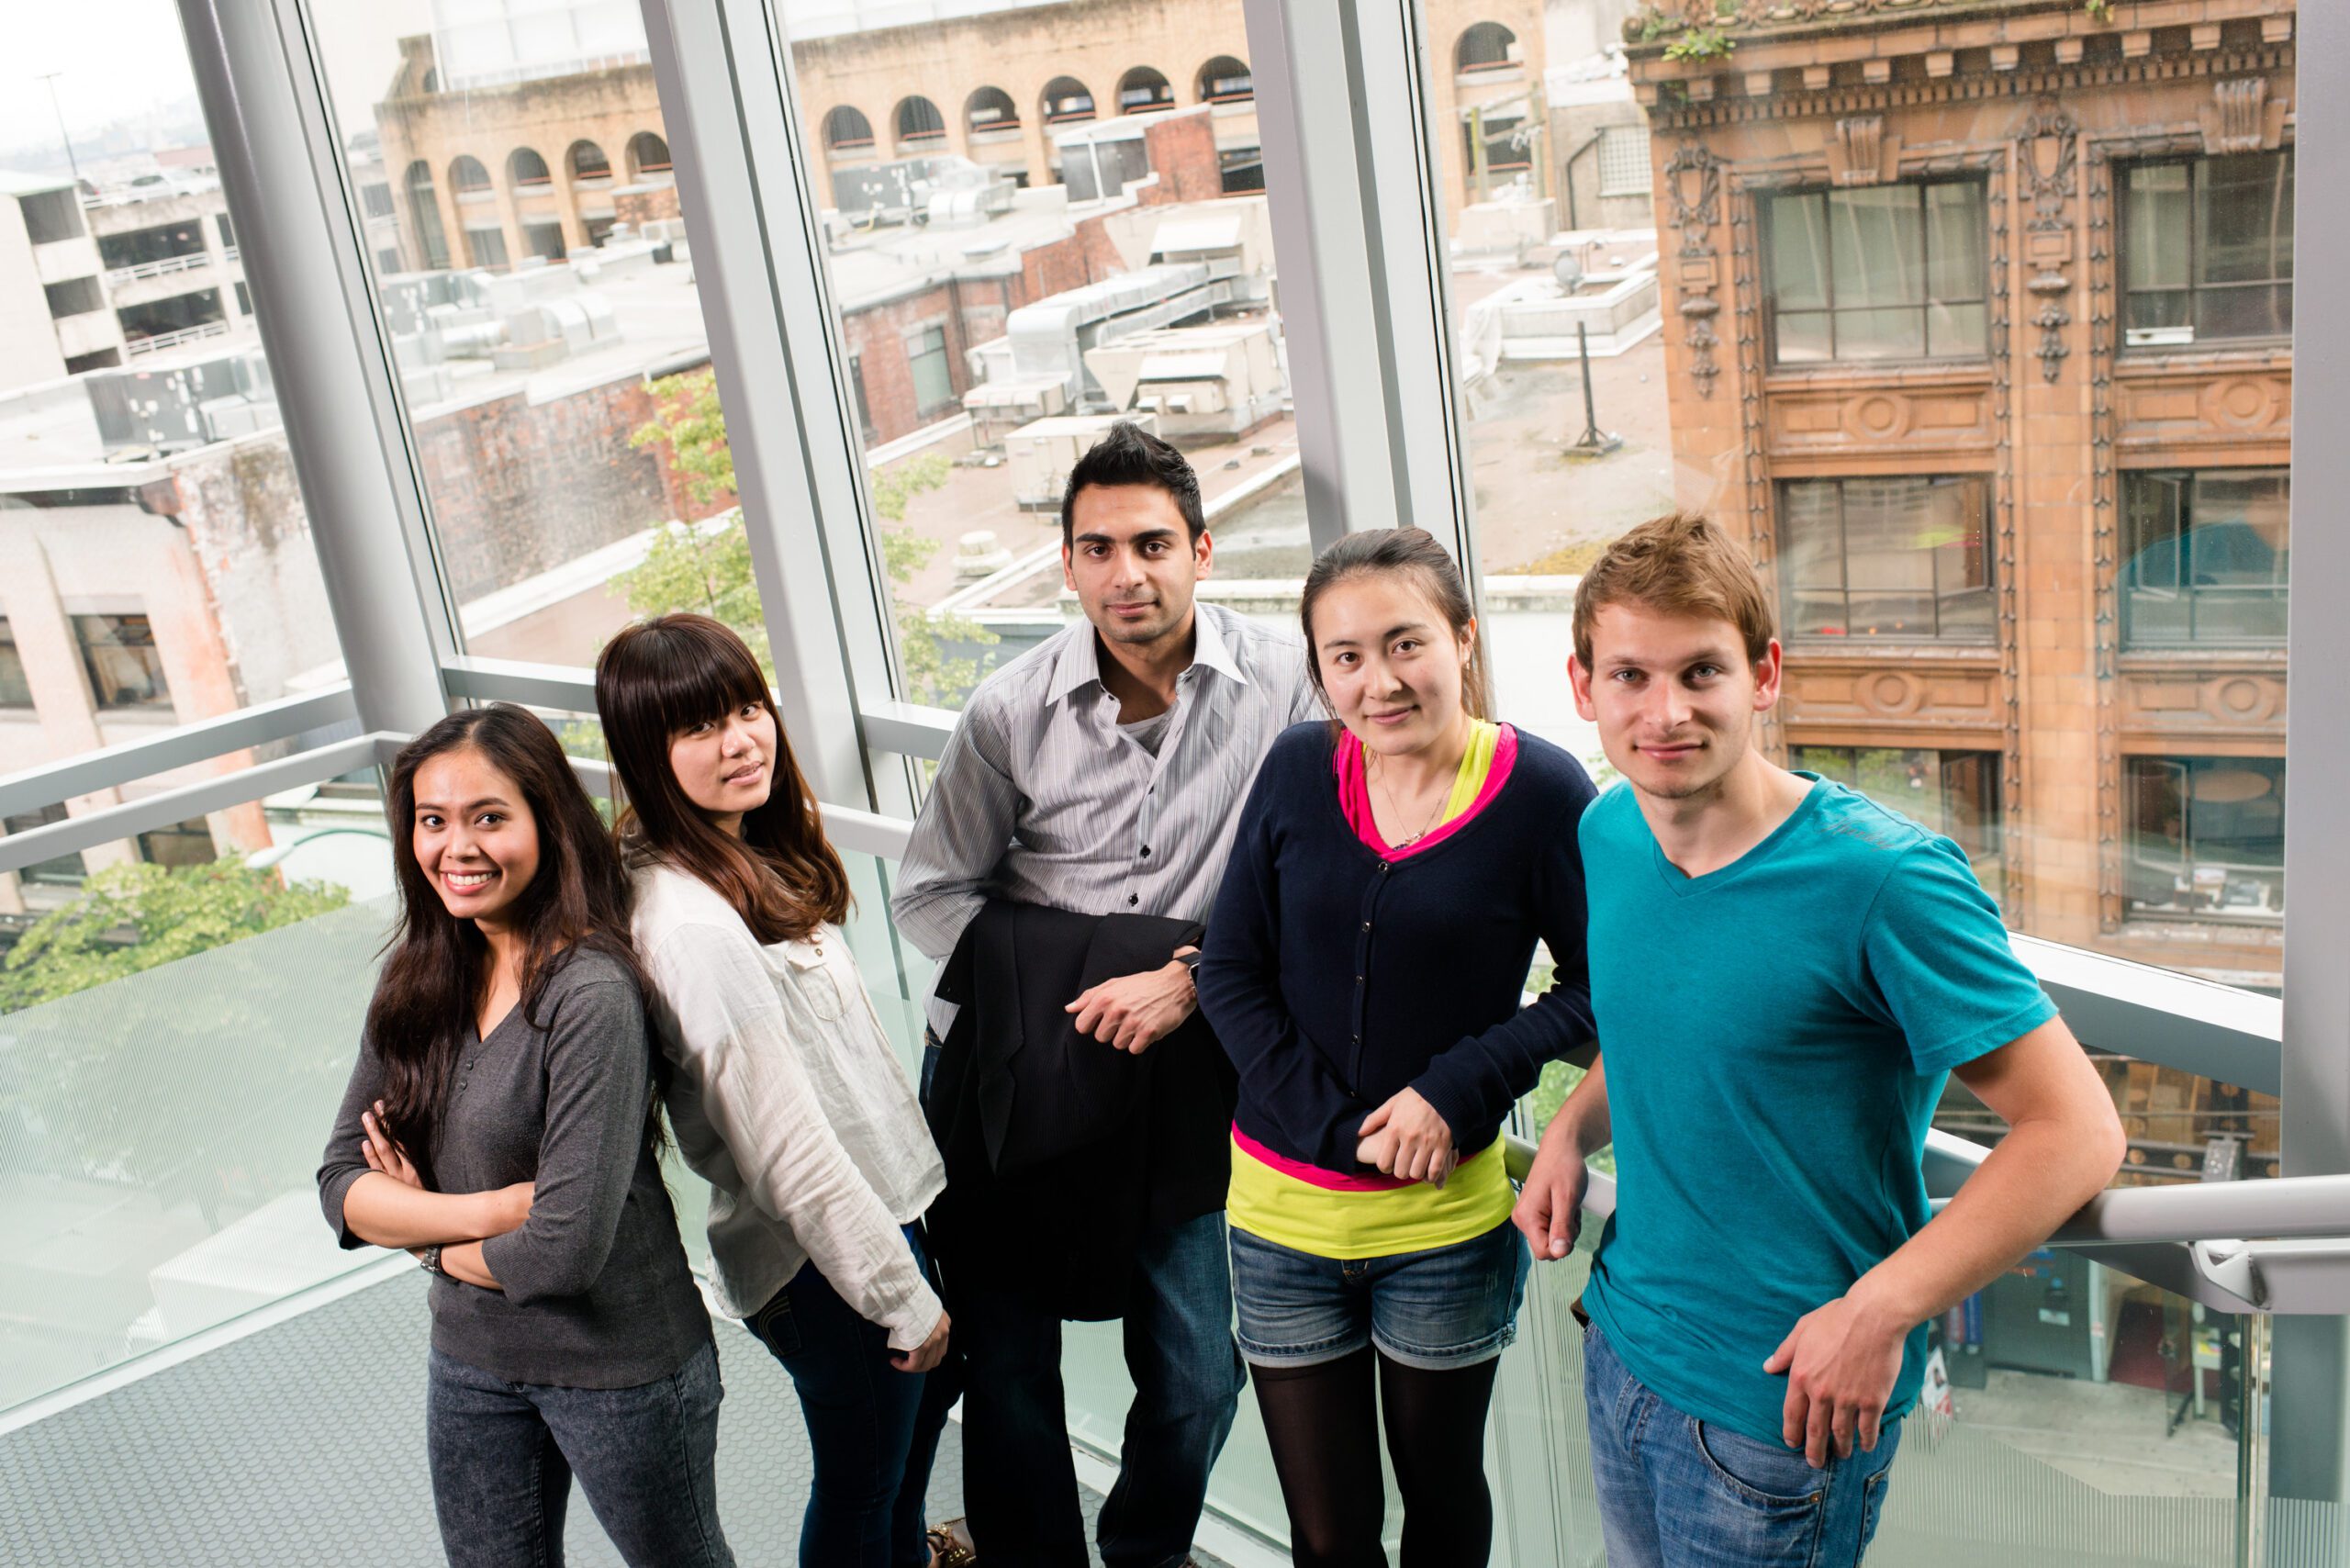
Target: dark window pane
(1814, 548)
(16, 691)
(59, 872)
(118, 654)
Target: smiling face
(1675, 698)
(1133, 564)
(726, 767)
(1391, 666)
(474, 836)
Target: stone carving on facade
(1692, 181)
(1861, 154)
(2238, 120)
(2048, 161)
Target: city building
(1979, 326)
(55, 317)
(540, 147)
(174, 273)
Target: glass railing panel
(161, 1122)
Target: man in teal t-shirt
(1782, 973)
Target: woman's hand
(384, 1153)
(927, 1354)
(1406, 1137)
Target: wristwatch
(430, 1261)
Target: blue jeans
(503, 1455)
(870, 1426)
(1676, 1492)
(1435, 1309)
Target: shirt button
(1145, 851)
(1134, 898)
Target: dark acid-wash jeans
(873, 1429)
(504, 1453)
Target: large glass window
(2206, 557)
(1109, 255)
(2207, 837)
(2208, 249)
(565, 418)
(1895, 558)
(1884, 272)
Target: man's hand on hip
(1134, 1013)
(1841, 1362)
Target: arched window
(589, 163)
(1066, 100)
(847, 130)
(1142, 90)
(424, 219)
(466, 175)
(647, 154)
(1484, 46)
(526, 170)
(991, 108)
(919, 123)
(1225, 80)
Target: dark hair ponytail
(433, 976)
(1400, 552)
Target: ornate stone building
(1979, 325)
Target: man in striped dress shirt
(1102, 772)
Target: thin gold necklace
(1398, 811)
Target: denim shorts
(1444, 1307)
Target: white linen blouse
(788, 1100)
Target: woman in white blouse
(783, 1090)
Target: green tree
(707, 567)
(136, 917)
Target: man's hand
(1134, 1013)
(1840, 1362)
(1549, 1207)
(1407, 1137)
(926, 1355)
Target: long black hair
(435, 975)
(782, 876)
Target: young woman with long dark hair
(784, 1093)
(501, 1125)
(1364, 970)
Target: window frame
(1766, 248)
(2137, 769)
(2194, 595)
(2195, 164)
(1788, 589)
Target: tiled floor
(304, 1443)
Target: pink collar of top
(1354, 796)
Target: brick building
(489, 172)
(1979, 323)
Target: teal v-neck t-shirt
(1776, 1035)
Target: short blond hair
(1680, 563)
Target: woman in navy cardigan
(1364, 968)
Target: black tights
(1323, 1423)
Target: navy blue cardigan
(1335, 978)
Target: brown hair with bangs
(1680, 563)
(663, 675)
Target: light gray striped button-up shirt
(1042, 798)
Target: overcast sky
(120, 58)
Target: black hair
(1130, 454)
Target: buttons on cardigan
(1366, 926)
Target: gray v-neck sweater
(596, 1290)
